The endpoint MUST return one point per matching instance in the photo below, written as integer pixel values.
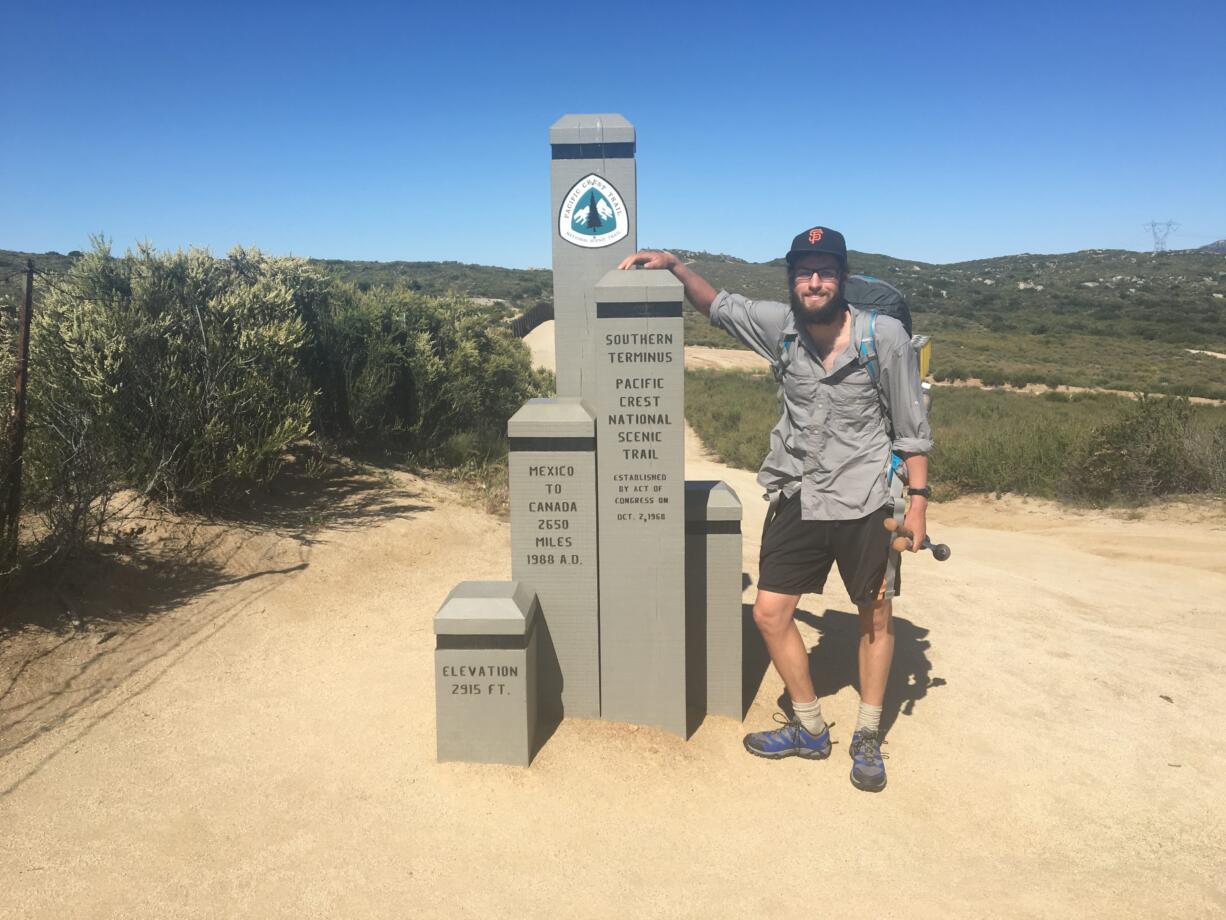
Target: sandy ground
(540, 343)
(241, 724)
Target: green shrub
(177, 373)
(1147, 450)
(417, 369)
(733, 413)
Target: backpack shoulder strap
(864, 331)
(785, 351)
(779, 367)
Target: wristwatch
(925, 491)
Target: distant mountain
(1177, 297)
(518, 286)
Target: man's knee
(772, 613)
(876, 618)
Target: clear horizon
(385, 133)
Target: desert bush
(1148, 449)
(419, 370)
(1206, 451)
(177, 374)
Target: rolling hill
(1103, 318)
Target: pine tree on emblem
(593, 215)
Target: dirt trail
(250, 733)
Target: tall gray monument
(592, 178)
(604, 616)
(640, 442)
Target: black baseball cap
(818, 239)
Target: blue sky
(937, 132)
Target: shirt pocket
(857, 405)
(801, 393)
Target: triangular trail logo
(593, 214)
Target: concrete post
(592, 178)
(485, 673)
(713, 598)
(639, 407)
(553, 545)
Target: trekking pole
(940, 552)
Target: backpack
(869, 293)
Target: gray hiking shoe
(867, 761)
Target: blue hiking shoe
(867, 761)
(789, 741)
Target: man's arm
(912, 434)
(698, 290)
(916, 520)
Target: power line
(1161, 230)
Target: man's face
(817, 288)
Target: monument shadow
(549, 707)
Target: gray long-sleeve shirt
(832, 441)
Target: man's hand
(699, 293)
(916, 521)
(650, 258)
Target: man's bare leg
(876, 650)
(876, 654)
(774, 615)
(806, 736)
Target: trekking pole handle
(940, 552)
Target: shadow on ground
(79, 641)
(344, 495)
(833, 662)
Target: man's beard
(822, 316)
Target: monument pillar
(713, 598)
(640, 443)
(553, 543)
(592, 178)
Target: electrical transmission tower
(1161, 231)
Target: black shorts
(797, 554)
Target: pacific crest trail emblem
(593, 214)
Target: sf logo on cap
(815, 234)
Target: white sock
(868, 717)
(810, 715)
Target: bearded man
(827, 477)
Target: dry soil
(238, 721)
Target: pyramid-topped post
(594, 208)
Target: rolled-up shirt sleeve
(904, 398)
(757, 323)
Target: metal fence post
(12, 505)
